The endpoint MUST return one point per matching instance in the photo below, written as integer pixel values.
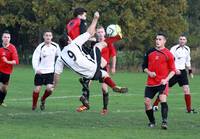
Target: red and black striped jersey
(159, 61)
(10, 53)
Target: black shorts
(4, 78)
(150, 92)
(43, 79)
(181, 79)
(98, 74)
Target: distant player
(43, 62)
(159, 66)
(86, 65)
(182, 57)
(8, 58)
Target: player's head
(6, 37)
(48, 36)
(160, 40)
(80, 13)
(100, 32)
(182, 40)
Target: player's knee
(4, 88)
(163, 98)
(147, 103)
(104, 90)
(186, 89)
(49, 88)
(37, 89)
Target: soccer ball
(113, 30)
(155, 108)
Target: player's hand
(96, 15)
(4, 59)
(69, 40)
(164, 81)
(191, 75)
(178, 72)
(152, 74)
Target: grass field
(126, 118)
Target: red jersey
(110, 50)
(159, 61)
(73, 28)
(10, 53)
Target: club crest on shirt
(157, 57)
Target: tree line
(140, 20)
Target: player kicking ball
(86, 65)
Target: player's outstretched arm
(91, 29)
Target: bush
(195, 59)
(129, 60)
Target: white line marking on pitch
(38, 113)
(63, 97)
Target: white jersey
(73, 57)
(182, 56)
(43, 59)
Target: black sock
(86, 93)
(2, 96)
(164, 111)
(150, 115)
(105, 100)
(85, 88)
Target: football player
(43, 62)
(86, 65)
(8, 58)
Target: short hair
(183, 35)
(100, 26)
(5, 32)
(161, 34)
(79, 11)
(47, 30)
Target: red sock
(156, 102)
(188, 102)
(109, 82)
(46, 94)
(35, 99)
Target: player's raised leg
(107, 79)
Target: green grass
(126, 118)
